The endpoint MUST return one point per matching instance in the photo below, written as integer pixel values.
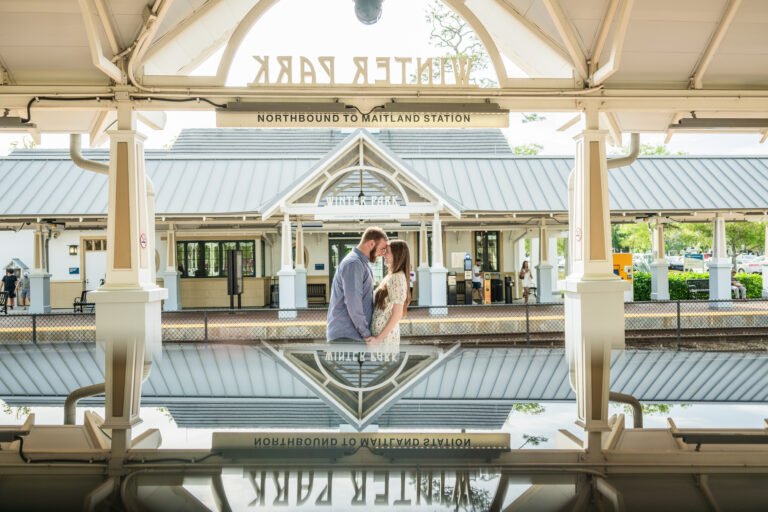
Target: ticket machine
(622, 267)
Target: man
(24, 290)
(738, 289)
(9, 286)
(477, 281)
(351, 306)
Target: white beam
(602, 35)
(571, 122)
(94, 43)
(764, 137)
(109, 29)
(614, 130)
(617, 45)
(697, 77)
(669, 133)
(568, 34)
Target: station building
(448, 193)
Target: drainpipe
(70, 404)
(623, 161)
(637, 409)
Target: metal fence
(504, 322)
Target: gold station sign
(355, 440)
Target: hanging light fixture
(368, 12)
(361, 195)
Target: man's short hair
(373, 233)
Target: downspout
(637, 409)
(613, 163)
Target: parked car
(753, 266)
(675, 263)
(743, 261)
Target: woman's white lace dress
(397, 288)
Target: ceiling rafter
(602, 35)
(87, 8)
(534, 28)
(614, 129)
(568, 34)
(623, 14)
(697, 77)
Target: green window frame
(487, 249)
(207, 259)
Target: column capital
(591, 135)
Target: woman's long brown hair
(401, 262)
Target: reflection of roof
(16, 263)
(239, 171)
(474, 389)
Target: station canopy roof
(685, 50)
(229, 172)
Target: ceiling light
(368, 12)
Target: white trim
(697, 76)
(568, 34)
(355, 168)
(617, 45)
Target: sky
(402, 31)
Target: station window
(487, 250)
(209, 259)
(96, 245)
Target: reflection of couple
(355, 312)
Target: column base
(423, 279)
(720, 279)
(39, 294)
(438, 278)
(301, 288)
(171, 282)
(287, 281)
(660, 280)
(544, 283)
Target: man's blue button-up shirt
(351, 307)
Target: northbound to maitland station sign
(434, 73)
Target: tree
(26, 143)
(631, 238)
(532, 117)
(451, 33)
(651, 150)
(533, 440)
(527, 149)
(745, 236)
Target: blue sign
(74, 271)
(319, 266)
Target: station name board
(378, 71)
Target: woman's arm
(397, 314)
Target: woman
(391, 299)
(527, 277)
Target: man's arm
(352, 285)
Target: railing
(504, 322)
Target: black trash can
(508, 289)
(497, 290)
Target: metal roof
(256, 168)
(208, 371)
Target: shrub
(678, 289)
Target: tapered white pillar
(765, 265)
(128, 322)
(720, 264)
(171, 276)
(438, 272)
(423, 276)
(39, 278)
(659, 265)
(301, 271)
(544, 268)
(287, 274)
(594, 297)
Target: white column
(39, 278)
(301, 271)
(659, 265)
(171, 276)
(544, 268)
(287, 274)
(594, 298)
(552, 252)
(765, 265)
(423, 276)
(720, 264)
(438, 272)
(128, 317)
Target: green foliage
(532, 117)
(631, 237)
(527, 149)
(533, 440)
(651, 150)
(528, 408)
(17, 412)
(678, 289)
(642, 285)
(745, 236)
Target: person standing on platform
(477, 281)
(24, 290)
(526, 276)
(351, 307)
(9, 286)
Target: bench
(80, 304)
(4, 302)
(316, 293)
(698, 288)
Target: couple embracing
(357, 312)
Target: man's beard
(372, 255)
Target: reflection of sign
(355, 440)
(143, 240)
(319, 266)
(361, 201)
(379, 71)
